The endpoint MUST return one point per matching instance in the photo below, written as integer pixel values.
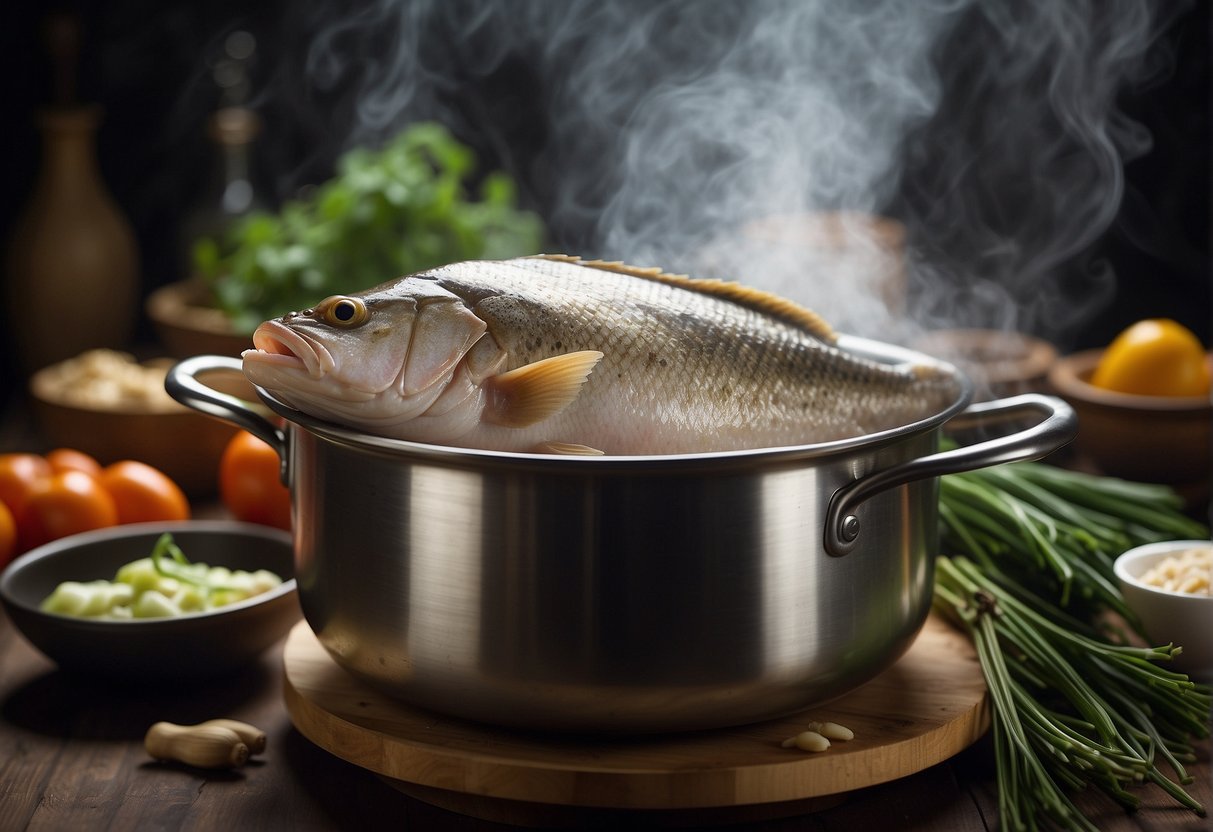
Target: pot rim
(876, 350)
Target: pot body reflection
(612, 600)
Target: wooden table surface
(71, 757)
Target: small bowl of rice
(1168, 585)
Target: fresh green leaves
(387, 212)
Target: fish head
(368, 359)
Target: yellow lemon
(1154, 357)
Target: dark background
(146, 64)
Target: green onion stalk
(169, 561)
(1027, 572)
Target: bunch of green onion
(1027, 571)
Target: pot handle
(1057, 428)
(183, 385)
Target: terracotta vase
(73, 265)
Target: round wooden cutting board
(927, 707)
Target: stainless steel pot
(621, 594)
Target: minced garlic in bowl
(1186, 571)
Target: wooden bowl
(183, 443)
(187, 324)
(1161, 439)
(999, 363)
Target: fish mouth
(282, 347)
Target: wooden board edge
(491, 776)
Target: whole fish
(559, 355)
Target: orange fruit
(142, 493)
(67, 503)
(69, 459)
(8, 536)
(250, 484)
(1154, 357)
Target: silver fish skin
(558, 355)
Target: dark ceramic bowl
(191, 646)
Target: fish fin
(767, 303)
(566, 449)
(533, 392)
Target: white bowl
(1170, 617)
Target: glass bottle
(232, 129)
(230, 194)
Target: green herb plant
(1028, 573)
(386, 212)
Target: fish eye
(342, 311)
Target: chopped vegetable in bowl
(164, 649)
(165, 584)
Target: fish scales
(587, 357)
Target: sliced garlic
(807, 741)
(832, 731)
(817, 736)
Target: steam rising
(755, 140)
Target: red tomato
(18, 475)
(69, 459)
(142, 493)
(250, 483)
(8, 536)
(67, 503)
